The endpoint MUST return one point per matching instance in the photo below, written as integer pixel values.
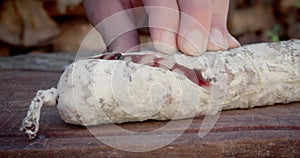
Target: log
(116, 88)
(26, 23)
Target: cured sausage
(116, 87)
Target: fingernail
(195, 43)
(167, 43)
(232, 42)
(218, 39)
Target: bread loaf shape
(118, 87)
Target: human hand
(190, 26)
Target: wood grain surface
(272, 131)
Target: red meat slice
(151, 60)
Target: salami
(116, 87)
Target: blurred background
(46, 26)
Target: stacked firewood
(60, 25)
(41, 25)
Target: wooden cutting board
(259, 132)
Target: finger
(220, 38)
(163, 24)
(232, 42)
(115, 24)
(194, 27)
